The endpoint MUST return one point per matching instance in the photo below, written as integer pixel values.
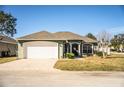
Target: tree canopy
(7, 24)
(117, 40)
(90, 35)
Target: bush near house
(70, 55)
(94, 63)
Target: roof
(89, 40)
(44, 35)
(6, 39)
(72, 36)
(67, 35)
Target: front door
(75, 49)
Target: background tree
(90, 35)
(118, 42)
(104, 42)
(7, 24)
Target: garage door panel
(42, 52)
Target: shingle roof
(67, 36)
(72, 36)
(6, 39)
(44, 35)
(89, 40)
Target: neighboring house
(54, 45)
(8, 46)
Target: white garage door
(42, 52)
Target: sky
(78, 19)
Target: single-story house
(54, 45)
(8, 46)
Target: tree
(104, 41)
(7, 24)
(118, 42)
(90, 35)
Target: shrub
(70, 55)
(99, 54)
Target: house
(8, 46)
(54, 45)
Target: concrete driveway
(45, 65)
(32, 72)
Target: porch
(78, 48)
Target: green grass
(7, 59)
(111, 63)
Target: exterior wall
(22, 49)
(60, 51)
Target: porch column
(92, 49)
(87, 50)
(67, 49)
(63, 50)
(79, 49)
(70, 47)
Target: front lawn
(111, 63)
(7, 59)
